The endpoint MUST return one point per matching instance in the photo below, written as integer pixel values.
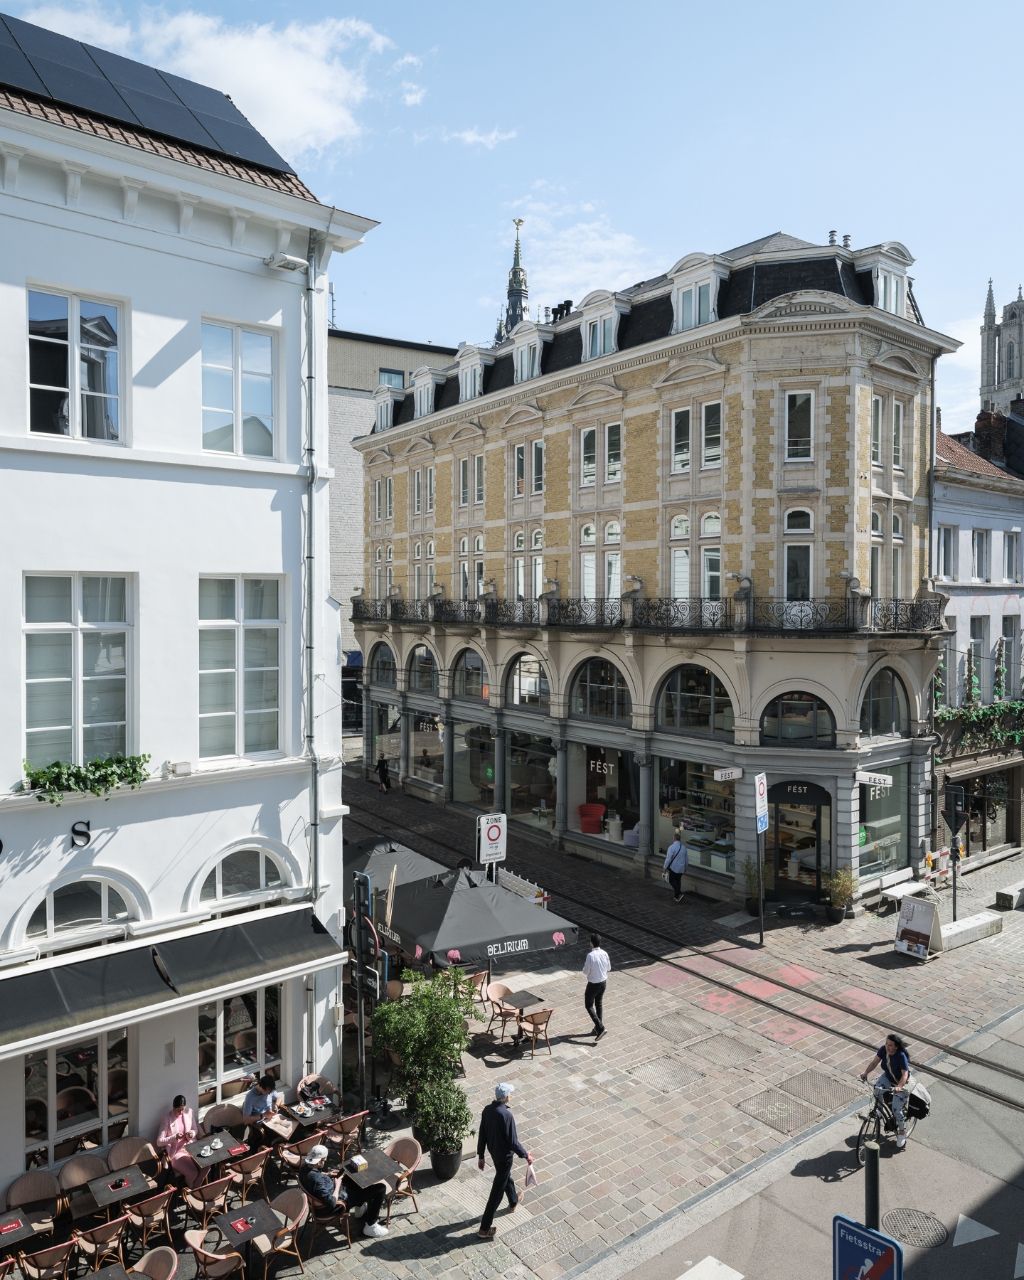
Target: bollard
(871, 1211)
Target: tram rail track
(940, 1048)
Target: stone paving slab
(614, 1153)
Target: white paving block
(983, 924)
(711, 1269)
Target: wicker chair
(289, 1158)
(500, 1012)
(211, 1265)
(160, 1263)
(103, 1243)
(225, 1115)
(316, 1085)
(38, 1194)
(406, 1151)
(293, 1206)
(152, 1217)
(135, 1150)
(47, 1264)
(479, 981)
(77, 1199)
(247, 1173)
(207, 1200)
(535, 1027)
(321, 1218)
(347, 1133)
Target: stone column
(405, 725)
(500, 783)
(561, 788)
(449, 758)
(646, 832)
(368, 760)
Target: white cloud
(958, 376)
(407, 60)
(301, 84)
(474, 138)
(412, 94)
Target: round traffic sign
(494, 832)
(762, 785)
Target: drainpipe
(310, 561)
(933, 820)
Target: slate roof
(777, 242)
(154, 144)
(953, 454)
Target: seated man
(334, 1193)
(261, 1102)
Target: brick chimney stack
(990, 434)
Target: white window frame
(212, 1087)
(612, 575)
(1011, 555)
(378, 500)
(981, 647)
(537, 573)
(679, 572)
(711, 578)
(692, 305)
(681, 440)
(536, 466)
(876, 431)
(78, 631)
(898, 416)
(478, 479)
(519, 471)
(711, 524)
(788, 547)
(1011, 655)
(791, 455)
(588, 470)
(613, 533)
(430, 489)
(417, 492)
(981, 555)
(710, 454)
(423, 398)
(389, 497)
(679, 527)
(74, 346)
(240, 625)
(463, 489)
(891, 292)
(107, 1124)
(789, 528)
(238, 332)
(527, 361)
(946, 539)
(613, 453)
(599, 339)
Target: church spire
(516, 309)
(990, 306)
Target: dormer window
(890, 292)
(599, 337)
(527, 361)
(695, 284)
(693, 305)
(383, 409)
(424, 399)
(600, 322)
(471, 362)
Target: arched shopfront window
(422, 670)
(527, 687)
(86, 904)
(244, 872)
(382, 666)
(694, 700)
(469, 676)
(885, 709)
(797, 720)
(599, 692)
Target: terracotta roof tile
(69, 118)
(957, 455)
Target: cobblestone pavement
(695, 1078)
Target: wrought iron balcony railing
(512, 613)
(452, 611)
(828, 614)
(683, 615)
(410, 610)
(370, 610)
(585, 613)
(906, 615)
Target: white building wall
(351, 415)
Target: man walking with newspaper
(497, 1135)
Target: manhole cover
(914, 1226)
(666, 1074)
(723, 1051)
(675, 1027)
(541, 1239)
(779, 1110)
(821, 1090)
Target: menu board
(917, 929)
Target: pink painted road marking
(796, 975)
(720, 1001)
(758, 987)
(664, 976)
(784, 1030)
(864, 1001)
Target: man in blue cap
(497, 1134)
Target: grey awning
(143, 981)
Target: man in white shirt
(596, 968)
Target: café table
(379, 1168)
(14, 1227)
(114, 1272)
(521, 1000)
(241, 1226)
(230, 1149)
(317, 1115)
(122, 1184)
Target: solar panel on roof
(75, 74)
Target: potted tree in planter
(443, 1115)
(840, 887)
(425, 1032)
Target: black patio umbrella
(462, 918)
(377, 857)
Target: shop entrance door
(798, 846)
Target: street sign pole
(955, 815)
(361, 902)
(871, 1197)
(761, 813)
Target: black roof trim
(388, 342)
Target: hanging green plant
(52, 782)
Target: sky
(625, 136)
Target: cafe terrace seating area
(126, 1213)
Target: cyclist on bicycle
(894, 1058)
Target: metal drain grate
(666, 1074)
(541, 1240)
(824, 1092)
(723, 1051)
(779, 1110)
(675, 1027)
(915, 1226)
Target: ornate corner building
(669, 532)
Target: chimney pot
(832, 237)
(846, 241)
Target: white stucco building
(163, 478)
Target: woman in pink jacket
(176, 1131)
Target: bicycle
(881, 1120)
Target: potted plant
(751, 902)
(443, 1114)
(840, 894)
(425, 1032)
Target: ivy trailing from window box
(52, 782)
(980, 726)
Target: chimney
(990, 436)
(547, 315)
(566, 306)
(846, 241)
(832, 237)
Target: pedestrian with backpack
(676, 861)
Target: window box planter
(52, 782)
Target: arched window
(613, 531)
(710, 525)
(885, 709)
(463, 546)
(797, 720)
(379, 555)
(244, 872)
(527, 686)
(538, 540)
(519, 542)
(417, 550)
(92, 904)
(694, 700)
(469, 676)
(422, 670)
(599, 692)
(382, 666)
(588, 535)
(680, 527)
(478, 544)
(897, 526)
(389, 555)
(798, 521)
(876, 524)
(1011, 360)
(430, 549)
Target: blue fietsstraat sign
(858, 1253)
